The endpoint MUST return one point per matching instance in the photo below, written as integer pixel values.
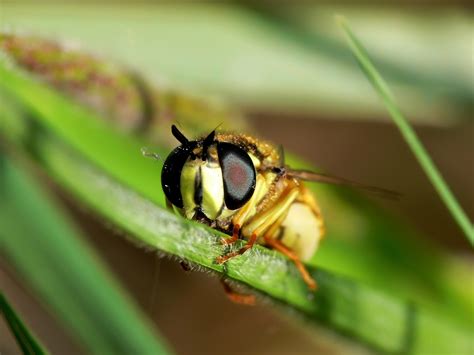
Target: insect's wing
(334, 180)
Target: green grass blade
(408, 133)
(368, 315)
(36, 238)
(25, 339)
(382, 247)
(365, 313)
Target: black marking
(200, 217)
(198, 188)
(171, 173)
(278, 170)
(281, 233)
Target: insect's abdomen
(301, 230)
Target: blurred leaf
(291, 22)
(104, 168)
(221, 48)
(25, 339)
(117, 94)
(408, 133)
(37, 239)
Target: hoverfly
(240, 185)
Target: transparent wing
(334, 180)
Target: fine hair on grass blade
(25, 339)
(407, 131)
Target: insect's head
(207, 175)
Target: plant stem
(407, 132)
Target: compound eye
(238, 174)
(171, 174)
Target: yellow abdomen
(300, 231)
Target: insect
(240, 185)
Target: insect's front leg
(264, 220)
(277, 245)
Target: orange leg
(248, 300)
(275, 244)
(235, 236)
(250, 243)
(264, 221)
(240, 217)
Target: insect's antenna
(217, 127)
(148, 154)
(178, 135)
(209, 139)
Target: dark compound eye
(238, 173)
(171, 173)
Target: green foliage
(60, 268)
(104, 169)
(25, 339)
(408, 133)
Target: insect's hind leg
(277, 245)
(236, 297)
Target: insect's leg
(262, 221)
(185, 266)
(239, 218)
(236, 297)
(250, 243)
(277, 245)
(235, 235)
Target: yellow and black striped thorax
(208, 177)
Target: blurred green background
(288, 69)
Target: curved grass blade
(25, 339)
(44, 248)
(370, 316)
(382, 254)
(407, 132)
